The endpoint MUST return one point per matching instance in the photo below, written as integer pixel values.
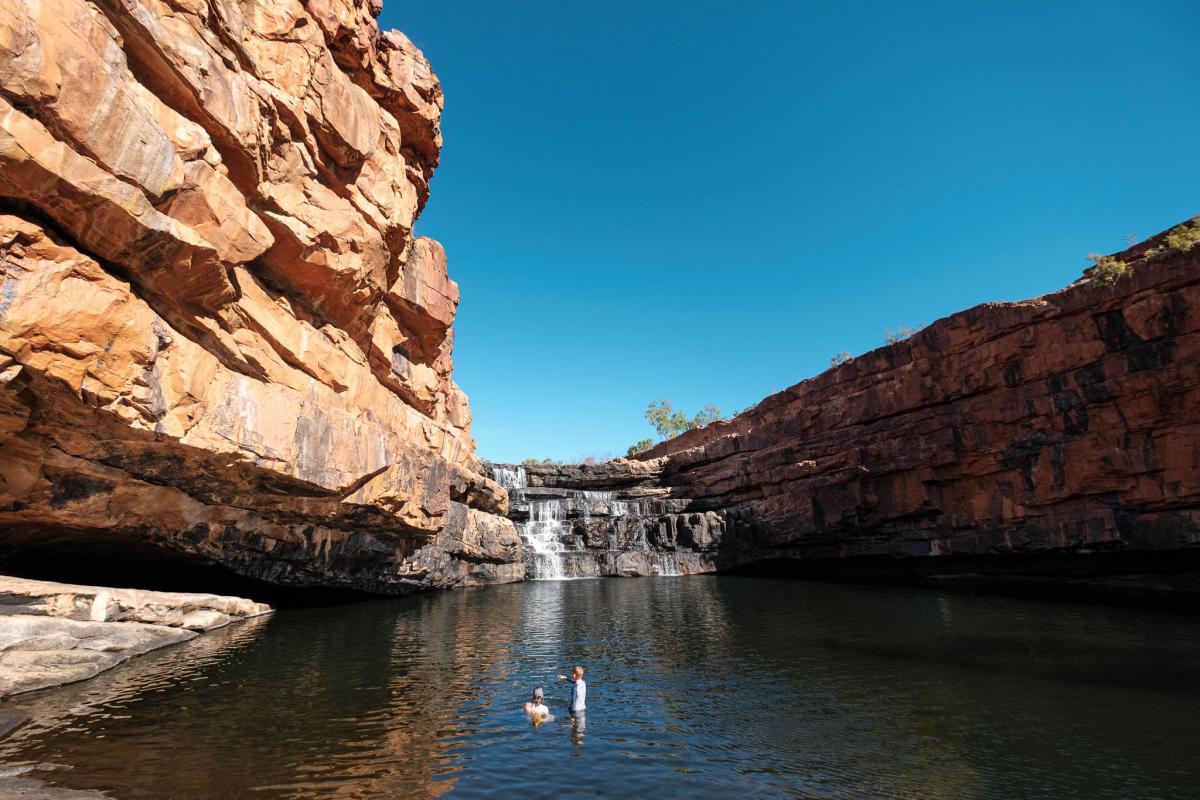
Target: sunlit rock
(218, 336)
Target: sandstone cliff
(219, 337)
(1067, 425)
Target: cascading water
(572, 532)
(543, 532)
(511, 478)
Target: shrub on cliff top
(639, 446)
(840, 358)
(901, 333)
(705, 416)
(1108, 269)
(1184, 237)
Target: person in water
(536, 708)
(578, 691)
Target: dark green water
(698, 686)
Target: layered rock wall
(219, 338)
(1065, 425)
(610, 519)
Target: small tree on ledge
(639, 447)
(668, 422)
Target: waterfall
(543, 534)
(511, 478)
(575, 532)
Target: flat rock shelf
(56, 633)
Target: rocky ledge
(220, 341)
(55, 633)
(1058, 436)
(616, 518)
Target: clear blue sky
(706, 200)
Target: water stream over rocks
(629, 525)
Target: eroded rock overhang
(219, 338)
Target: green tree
(1184, 237)
(639, 447)
(708, 414)
(665, 420)
(668, 422)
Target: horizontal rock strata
(54, 633)
(1065, 425)
(219, 339)
(615, 518)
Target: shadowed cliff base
(1162, 581)
(87, 557)
(629, 518)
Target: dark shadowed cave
(94, 558)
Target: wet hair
(538, 694)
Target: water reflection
(697, 687)
(578, 728)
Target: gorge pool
(700, 686)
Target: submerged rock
(219, 338)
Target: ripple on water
(698, 687)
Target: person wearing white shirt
(578, 690)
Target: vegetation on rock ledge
(668, 422)
(1184, 237)
(1108, 268)
(901, 333)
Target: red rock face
(1065, 424)
(218, 336)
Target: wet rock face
(1066, 424)
(218, 334)
(616, 518)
